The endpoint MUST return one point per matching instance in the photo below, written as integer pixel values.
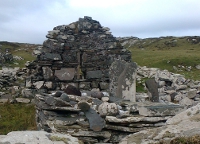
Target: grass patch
(155, 53)
(186, 140)
(16, 117)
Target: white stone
(106, 109)
(38, 84)
(49, 85)
(38, 137)
(105, 99)
(23, 100)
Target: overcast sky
(28, 21)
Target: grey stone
(23, 100)
(72, 90)
(159, 109)
(104, 85)
(84, 106)
(94, 74)
(28, 93)
(38, 84)
(95, 121)
(97, 94)
(123, 80)
(50, 56)
(64, 97)
(65, 73)
(192, 93)
(104, 134)
(47, 73)
(152, 87)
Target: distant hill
(176, 54)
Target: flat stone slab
(65, 73)
(135, 119)
(103, 134)
(4, 100)
(38, 137)
(160, 110)
(148, 108)
(23, 100)
(123, 128)
(96, 122)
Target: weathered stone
(186, 102)
(104, 85)
(50, 56)
(38, 84)
(48, 85)
(64, 97)
(39, 137)
(106, 109)
(160, 110)
(105, 99)
(94, 74)
(84, 85)
(123, 128)
(95, 121)
(84, 106)
(47, 73)
(152, 87)
(65, 74)
(28, 93)
(57, 94)
(72, 90)
(96, 94)
(135, 119)
(23, 100)
(192, 93)
(104, 134)
(123, 80)
(28, 83)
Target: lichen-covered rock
(108, 109)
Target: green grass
(157, 54)
(15, 117)
(26, 55)
(18, 49)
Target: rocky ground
(166, 108)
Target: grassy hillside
(166, 52)
(18, 49)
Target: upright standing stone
(123, 80)
(152, 87)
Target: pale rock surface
(106, 109)
(182, 124)
(38, 137)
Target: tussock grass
(16, 117)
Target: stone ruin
(84, 85)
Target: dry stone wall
(80, 54)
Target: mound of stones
(170, 87)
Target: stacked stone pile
(85, 85)
(79, 53)
(94, 117)
(172, 87)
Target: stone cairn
(85, 86)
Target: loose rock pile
(172, 87)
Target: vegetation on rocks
(175, 54)
(22, 50)
(17, 117)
